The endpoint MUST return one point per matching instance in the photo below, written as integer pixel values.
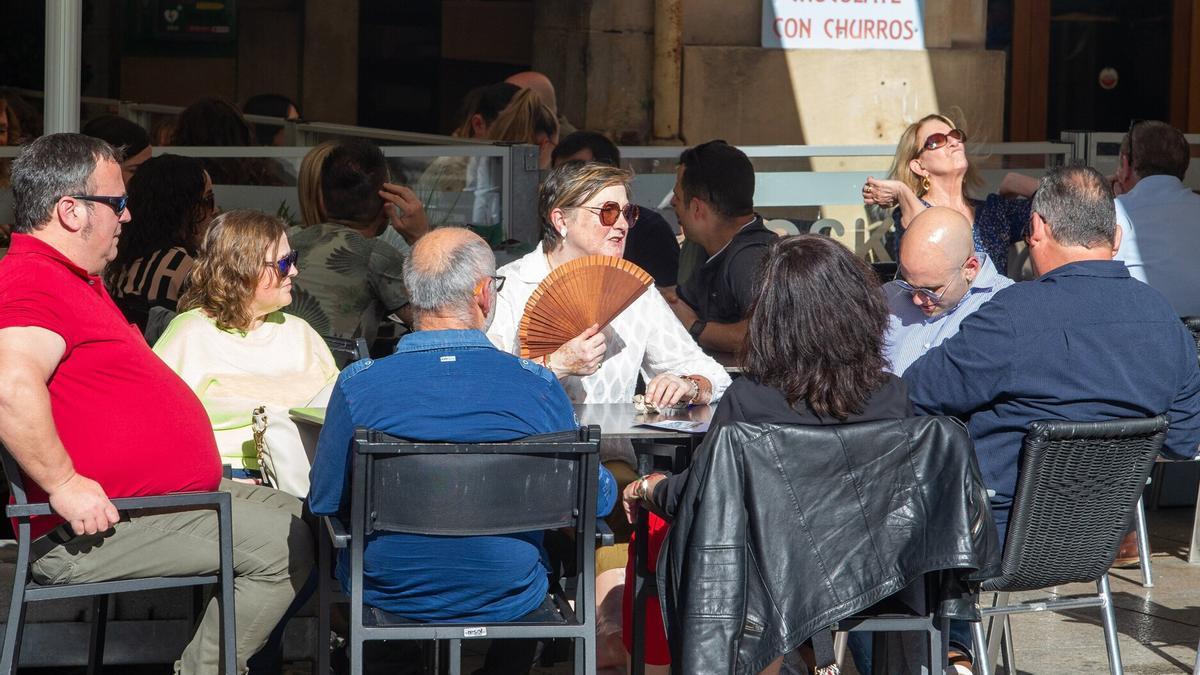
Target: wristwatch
(697, 328)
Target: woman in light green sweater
(233, 346)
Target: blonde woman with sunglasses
(931, 168)
(233, 346)
(586, 210)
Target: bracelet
(703, 389)
(642, 491)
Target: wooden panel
(491, 31)
(1193, 108)
(1030, 83)
(1181, 37)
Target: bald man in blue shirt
(1084, 341)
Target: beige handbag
(285, 449)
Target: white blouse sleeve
(671, 350)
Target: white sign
(843, 24)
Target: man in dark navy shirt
(1084, 341)
(446, 382)
(714, 199)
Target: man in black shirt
(651, 245)
(714, 199)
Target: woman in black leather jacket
(813, 355)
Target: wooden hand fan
(589, 290)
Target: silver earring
(563, 233)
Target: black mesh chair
(539, 483)
(1078, 488)
(25, 590)
(346, 350)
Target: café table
(620, 420)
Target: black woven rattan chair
(346, 350)
(540, 483)
(1078, 488)
(25, 590)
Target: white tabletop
(620, 420)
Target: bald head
(937, 236)
(444, 269)
(937, 254)
(531, 79)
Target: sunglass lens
(631, 214)
(935, 141)
(287, 262)
(609, 214)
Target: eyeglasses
(939, 139)
(610, 211)
(929, 293)
(495, 278)
(1132, 123)
(117, 204)
(285, 264)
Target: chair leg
(585, 653)
(455, 657)
(1194, 548)
(225, 598)
(981, 663)
(1009, 644)
(995, 633)
(1110, 627)
(96, 641)
(1143, 542)
(1196, 667)
(356, 654)
(16, 624)
(840, 640)
(323, 600)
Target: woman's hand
(630, 497)
(885, 193)
(666, 390)
(405, 212)
(582, 355)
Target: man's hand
(665, 390)
(82, 503)
(687, 316)
(582, 355)
(629, 499)
(405, 212)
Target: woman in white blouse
(585, 210)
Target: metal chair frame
(25, 590)
(347, 350)
(367, 516)
(1066, 525)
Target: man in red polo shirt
(90, 413)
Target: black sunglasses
(285, 264)
(610, 211)
(117, 204)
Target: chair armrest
(338, 533)
(182, 499)
(604, 534)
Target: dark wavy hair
(165, 207)
(816, 330)
(216, 122)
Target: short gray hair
(447, 282)
(50, 168)
(1077, 204)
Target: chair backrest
(1078, 485)
(537, 483)
(1193, 325)
(346, 350)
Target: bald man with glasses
(941, 280)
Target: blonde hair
(570, 185)
(308, 184)
(524, 118)
(229, 265)
(910, 146)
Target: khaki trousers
(272, 557)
